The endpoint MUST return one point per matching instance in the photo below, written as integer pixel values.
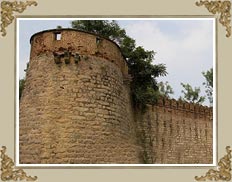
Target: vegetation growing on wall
(21, 87)
(22, 83)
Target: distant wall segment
(175, 132)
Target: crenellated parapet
(181, 106)
(174, 131)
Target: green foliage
(59, 27)
(21, 87)
(165, 89)
(192, 95)
(26, 67)
(105, 28)
(144, 85)
(209, 84)
(22, 82)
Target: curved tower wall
(76, 106)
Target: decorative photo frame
(220, 9)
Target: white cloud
(186, 55)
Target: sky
(185, 46)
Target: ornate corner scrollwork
(7, 12)
(223, 172)
(221, 7)
(8, 170)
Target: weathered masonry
(76, 108)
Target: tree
(192, 95)
(22, 82)
(105, 28)
(144, 85)
(165, 89)
(21, 87)
(58, 27)
(209, 84)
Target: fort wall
(175, 132)
(76, 109)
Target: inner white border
(114, 165)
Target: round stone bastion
(76, 104)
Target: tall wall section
(174, 132)
(76, 107)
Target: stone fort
(76, 108)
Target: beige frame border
(127, 16)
